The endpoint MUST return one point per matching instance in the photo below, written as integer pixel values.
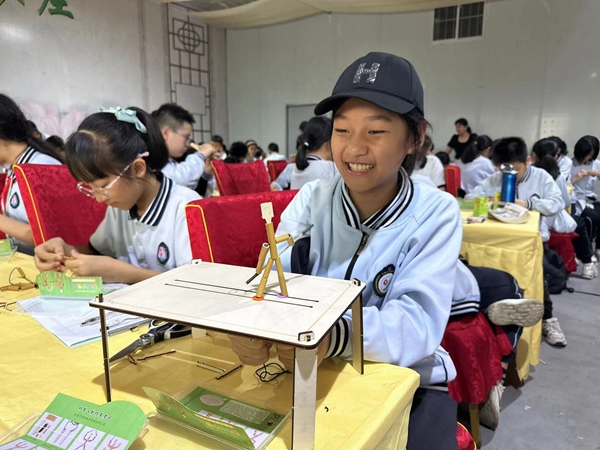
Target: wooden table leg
(474, 418)
(305, 399)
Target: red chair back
(231, 230)
(238, 179)
(452, 172)
(275, 168)
(54, 206)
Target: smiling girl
(372, 223)
(117, 155)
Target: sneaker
(552, 332)
(522, 312)
(489, 414)
(595, 262)
(589, 271)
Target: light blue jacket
(408, 267)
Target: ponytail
(316, 133)
(546, 151)
(475, 148)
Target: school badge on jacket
(382, 280)
(163, 253)
(14, 201)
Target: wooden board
(216, 296)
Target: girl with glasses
(18, 145)
(117, 155)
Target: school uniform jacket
(13, 200)
(188, 172)
(474, 173)
(565, 165)
(158, 240)
(537, 188)
(406, 254)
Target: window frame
(456, 39)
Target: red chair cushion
(464, 439)
(275, 168)
(562, 243)
(476, 352)
(452, 172)
(238, 179)
(54, 206)
(230, 230)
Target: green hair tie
(126, 115)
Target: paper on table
(75, 323)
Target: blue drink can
(509, 183)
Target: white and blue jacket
(406, 254)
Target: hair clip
(126, 115)
(306, 144)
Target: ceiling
(254, 13)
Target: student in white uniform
(372, 223)
(429, 165)
(274, 154)
(565, 163)
(118, 155)
(313, 159)
(584, 174)
(543, 155)
(18, 146)
(536, 190)
(475, 165)
(175, 125)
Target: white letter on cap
(372, 72)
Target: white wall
(534, 73)
(113, 53)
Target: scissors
(157, 331)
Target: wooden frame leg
(474, 419)
(105, 356)
(305, 399)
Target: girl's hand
(88, 265)
(50, 255)
(521, 203)
(253, 352)
(583, 173)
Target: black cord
(587, 293)
(265, 376)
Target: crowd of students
(370, 188)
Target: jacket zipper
(363, 243)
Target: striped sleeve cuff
(528, 203)
(340, 338)
(201, 155)
(207, 176)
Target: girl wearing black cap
(372, 223)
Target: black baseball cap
(383, 79)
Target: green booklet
(58, 285)
(71, 424)
(236, 423)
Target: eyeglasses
(102, 193)
(188, 137)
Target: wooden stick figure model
(271, 247)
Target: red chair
(238, 179)
(452, 173)
(231, 230)
(477, 355)
(55, 207)
(275, 168)
(562, 243)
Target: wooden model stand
(192, 295)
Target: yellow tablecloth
(353, 411)
(518, 250)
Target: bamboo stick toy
(270, 247)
